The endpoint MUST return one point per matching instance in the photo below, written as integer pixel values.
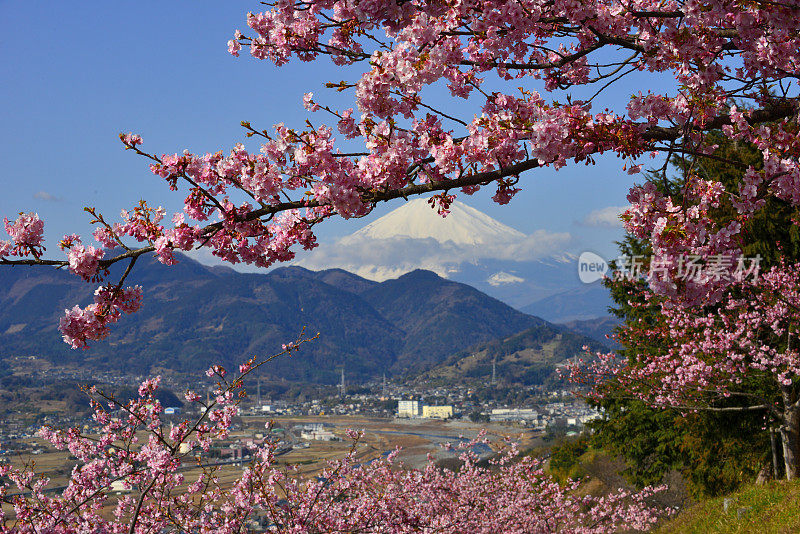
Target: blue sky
(76, 74)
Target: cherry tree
(534, 70)
(727, 327)
(740, 348)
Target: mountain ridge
(585, 302)
(194, 316)
(529, 358)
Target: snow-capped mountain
(467, 246)
(415, 219)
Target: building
(437, 412)
(409, 408)
(270, 406)
(120, 486)
(318, 435)
(514, 414)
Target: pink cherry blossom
(27, 234)
(84, 261)
(81, 325)
(131, 139)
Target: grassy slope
(773, 508)
(768, 509)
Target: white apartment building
(409, 408)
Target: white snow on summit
(503, 277)
(417, 220)
(415, 236)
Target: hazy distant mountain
(587, 301)
(600, 329)
(519, 283)
(194, 316)
(467, 246)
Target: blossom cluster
(83, 261)
(81, 325)
(712, 349)
(27, 234)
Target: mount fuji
(464, 225)
(467, 246)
